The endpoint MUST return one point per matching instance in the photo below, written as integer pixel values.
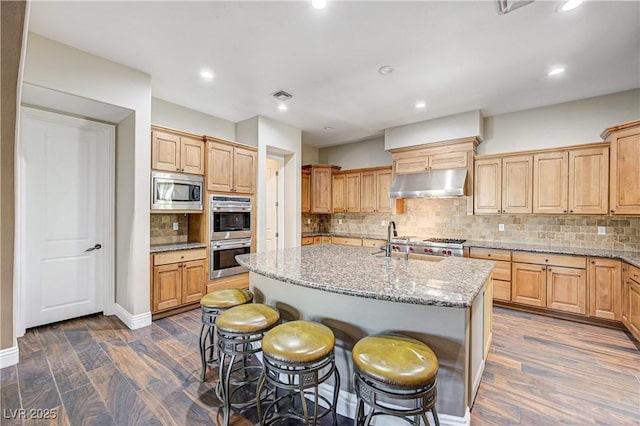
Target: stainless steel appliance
(176, 191)
(230, 233)
(430, 246)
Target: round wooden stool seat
(226, 298)
(298, 342)
(396, 360)
(249, 318)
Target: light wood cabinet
(234, 281)
(588, 180)
(347, 241)
(230, 168)
(624, 312)
(605, 288)
(425, 162)
(307, 241)
(322, 239)
(503, 185)
(551, 182)
(306, 191)
(338, 204)
(179, 278)
(633, 301)
(548, 280)
(501, 273)
(374, 194)
(624, 170)
(346, 192)
(366, 242)
(176, 152)
(321, 177)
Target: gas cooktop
(429, 246)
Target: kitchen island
(442, 301)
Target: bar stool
(212, 304)
(393, 368)
(240, 330)
(297, 356)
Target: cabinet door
(192, 155)
(624, 314)
(194, 278)
(551, 182)
(589, 181)
(411, 165)
(634, 308)
(625, 172)
(368, 192)
(567, 289)
(244, 171)
(167, 286)
(352, 192)
(219, 167)
(165, 151)
(338, 193)
(605, 298)
(384, 203)
(529, 284)
(306, 192)
(321, 190)
(449, 160)
(517, 184)
(487, 195)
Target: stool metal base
(300, 378)
(207, 333)
(380, 397)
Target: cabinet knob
(612, 211)
(546, 260)
(489, 255)
(570, 211)
(498, 211)
(177, 169)
(593, 262)
(564, 211)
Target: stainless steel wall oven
(230, 233)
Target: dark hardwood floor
(95, 371)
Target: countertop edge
(162, 248)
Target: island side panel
(446, 330)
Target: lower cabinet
(179, 278)
(605, 291)
(633, 301)
(346, 241)
(306, 241)
(501, 273)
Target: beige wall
(310, 155)
(189, 120)
(369, 153)
(447, 218)
(12, 15)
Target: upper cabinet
(321, 176)
(571, 181)
(230, 167)
(625, 170)
(503, 184)
(175, 151)
(424, 162)
(306, 191)
(346, 192)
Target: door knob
(96, 247)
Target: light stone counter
(159, 248)
(442, 281)
(444, 303)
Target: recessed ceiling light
(327, 128)
(319, 4)
(385, 70)
(556, 71)
(421, 104)
(282, 107)
(206, 75)
(570, 5)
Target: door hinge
(277, 173)
(277, 235)
(277, 204)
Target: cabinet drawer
(373, 243)
(634, 273)
(347, 241)
(502, 271)
(178, 256)
(490, 254)
(307, 241)
(501, 289)
(550, 259)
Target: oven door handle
(231, 209)
(219, 246)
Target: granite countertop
(449, 282)
(159, 248)
(631, 257)
(345, 235)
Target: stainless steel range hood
(435, 183)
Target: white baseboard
(132, 321)
(347, 407)
(9, 356)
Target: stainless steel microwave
(176, 191)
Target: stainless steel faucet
(387, 248)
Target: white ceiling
(455, 55)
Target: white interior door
(273, 167)
(67, 196)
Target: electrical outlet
(602, 230)
(175, 226)
(382, 223)
(339, 221)
(501, 227)
(308, 221)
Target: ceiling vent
(281, 95)
(506, 6)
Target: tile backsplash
(162, 228)
(447, 217)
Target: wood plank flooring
(95, 371)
